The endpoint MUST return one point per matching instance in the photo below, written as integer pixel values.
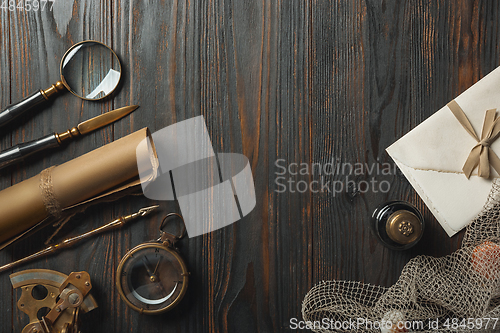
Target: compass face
(152, 278)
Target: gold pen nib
(95, 123)
(145, 211)
(142, 212)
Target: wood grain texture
(290, 81)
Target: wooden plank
(31, 70)
(156, 79)
(291, 214)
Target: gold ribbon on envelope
(481, 154)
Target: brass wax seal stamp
(398, 224)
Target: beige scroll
(99, 172)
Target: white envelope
(432, 155)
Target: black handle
(15, 110)
(21, 151)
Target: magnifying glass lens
(90, 70)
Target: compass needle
(157, 264)
(146, 263)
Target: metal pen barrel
(73, 240)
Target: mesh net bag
(456, 293)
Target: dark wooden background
(303, 81)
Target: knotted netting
(456, 293)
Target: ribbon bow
(481, 154)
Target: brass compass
(152, 277)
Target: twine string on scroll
(481, 154)
(52, 205)
(37, 201)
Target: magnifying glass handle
(21, 151)
(37, 99)
(15, 110)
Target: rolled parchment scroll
(95, 174)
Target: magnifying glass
(89, 70)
